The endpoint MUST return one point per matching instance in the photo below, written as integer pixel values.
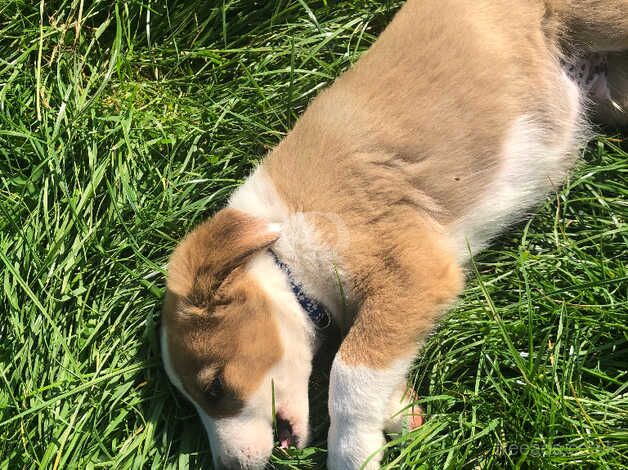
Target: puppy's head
(223, 343)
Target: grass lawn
(123, 124)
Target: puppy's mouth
(285, 433)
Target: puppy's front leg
(404, 300)
(358, 405)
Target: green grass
(123, 124)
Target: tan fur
(373, 149)
(406, 283)
(375, 128)
(217, 319)
(211, 251)
(598, 25)
(400, 149)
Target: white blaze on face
(290, 376)
(246, 439)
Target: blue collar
(318, 313)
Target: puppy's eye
(216, 389)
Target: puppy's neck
(301, 246)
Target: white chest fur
(311, 261)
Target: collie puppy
(459, 119)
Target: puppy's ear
(213, 249)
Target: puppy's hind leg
(613, 109)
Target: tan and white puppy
(460, 118)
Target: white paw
(350, 448)
(403, 414)
(358, 409)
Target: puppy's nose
(285, 434)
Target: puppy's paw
(403, 413)
(352, 448)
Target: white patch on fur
(359, 402)
(243, 441)
(274, 228)
(165, 356)
(290, 376)
(312, 262)
(399, 407)
(534, 163)
(259, 197)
